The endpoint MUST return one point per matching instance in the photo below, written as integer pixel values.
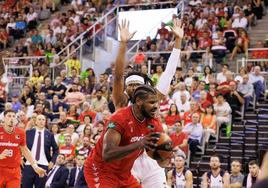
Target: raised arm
(119, 98)
(163, 85)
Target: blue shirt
(194, 131)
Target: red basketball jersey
(131, 130)
(11, 142)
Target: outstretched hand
(125, 34)
(178, 28)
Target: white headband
(134, 79)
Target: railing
(135, 47)
(17, 75)
(243, 62)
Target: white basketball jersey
(180, 180)
(216, 182)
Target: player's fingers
(119, 27)
(171, 28)
(149, 147)
(128, 24)
(133, 34)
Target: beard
(144, 112)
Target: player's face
(40, 121)
(236, 167)
(179, 162)
(253, 170)
(10, 119)
(131, 88)
(214, 163)
(149, 107)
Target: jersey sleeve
(158, 126)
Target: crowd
(212, 29)
(77, 105)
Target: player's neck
(179, 170)
(216, 171)
(8, 129)
(137, 113)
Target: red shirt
(172, 119)
(12, 142)
(178, 139)
(131, 130)
(67, 150)
(89, 113)
(205, 103)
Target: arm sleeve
(113, 124)
(166, 77)
(23, 138)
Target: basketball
(164, 148)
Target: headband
(134, 79)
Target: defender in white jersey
(216, 177)
(145, 169)
(180, 177)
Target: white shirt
(194, 131)
(243, 22)
(76, 174)
(49, 180)
(221, 78)
(216, 182)
(31, 17)
(182, 108)
(42, 160)
(177, 96)
(199, 23)
(254, 78)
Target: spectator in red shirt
(3, 38)
(260, 54)
(68, 150)
(139, 57)
(179, 139)
(205, 41)
(187, 117)
(203, 102)
(163, 32)
(86, 111)
(224, 87)
(173, 115)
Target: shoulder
(19, 131)
(121, 114)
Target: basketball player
(12, 144)
(216, 177)
(180, 177)
(129, 131)
(145, 169)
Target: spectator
(177, 94)
(156, 76)
(16, 105)
(241, 21)
(203, 102)
(163, 32)
(58, 88)
(246, 89)
(187, 117)
(63, 121)
(164, 106)
(173, 115)
(251, 178)
(208, 120)
(74, 136)
(47, 88)
(179, 139)
(57, 108)
(54, 129)
(234, 98)
(58, 175)
(258, 81)
(195, 132)
(87, 122)
(242, 44)
(99, 104)
(68, 150)
(86, 148)
(75, 96)
(42, 99)
(242, 72)
(223, 110)
(3, 38)
(236, 176)
(183, 106)
(73, 63)
(221, 77)
(37, 77)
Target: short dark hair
(142, 92)
(215, 156)
(253, 162)
(9, 111)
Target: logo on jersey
(111, 125)
(151, 127)
(17, 137)
(136, 139)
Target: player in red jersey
(128, 132)
(12, 144)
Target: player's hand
(125, 34)
(4, 154)
(178, 28)
(149, 141)
(40, 171)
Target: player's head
(236, 166)
(133, 80)
(253, 168)
(145, 98)
(40, 121)
(179, 161)
(215, 162)
(10, 118)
